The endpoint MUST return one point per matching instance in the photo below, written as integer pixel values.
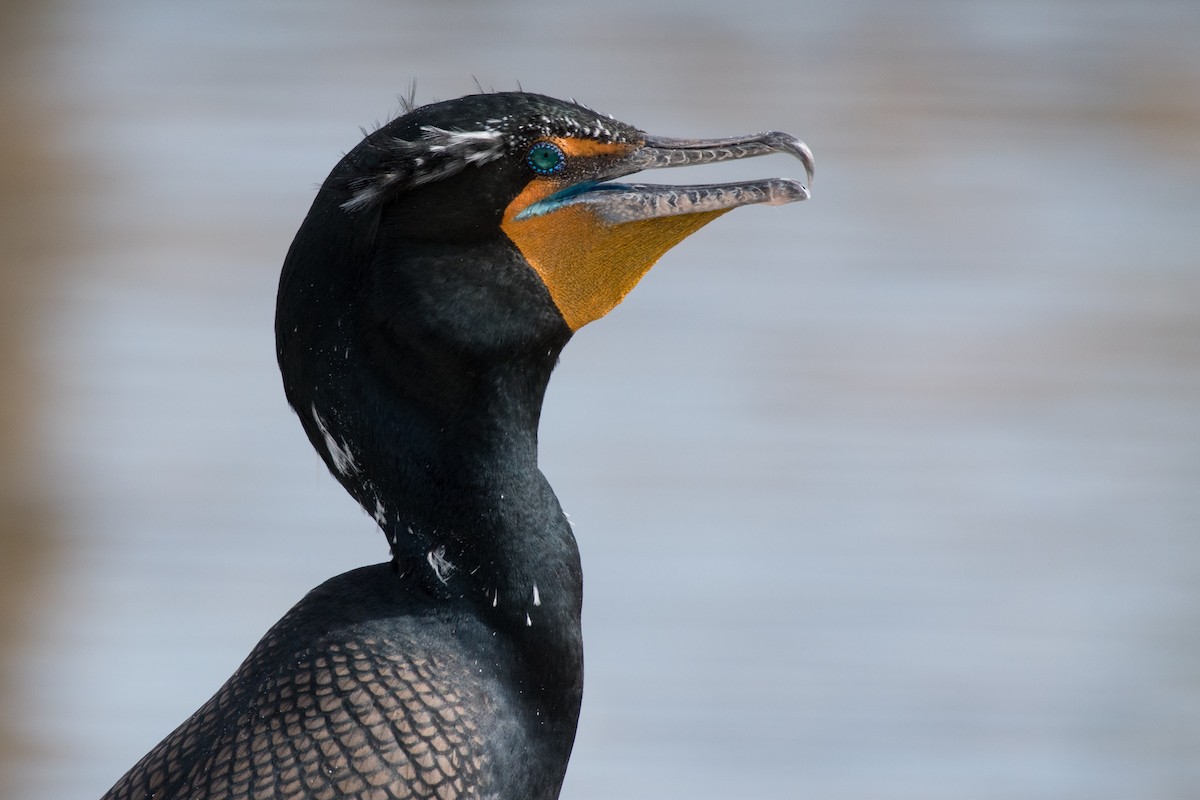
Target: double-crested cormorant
(441, 269)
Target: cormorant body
(443, 266)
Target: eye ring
(546, 158)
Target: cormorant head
(540, 171)
(449, 257)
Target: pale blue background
(891, 494)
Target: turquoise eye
(546, 159)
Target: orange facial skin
(587, 263)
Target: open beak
(591, 241)
(617, 203)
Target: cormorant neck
(440, 461)
(418, 370)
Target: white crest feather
(437, 155)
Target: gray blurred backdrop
(891, 494)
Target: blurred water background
(891, 494)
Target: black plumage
(420, 314)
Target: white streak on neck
(339, 452)
(440, 565)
